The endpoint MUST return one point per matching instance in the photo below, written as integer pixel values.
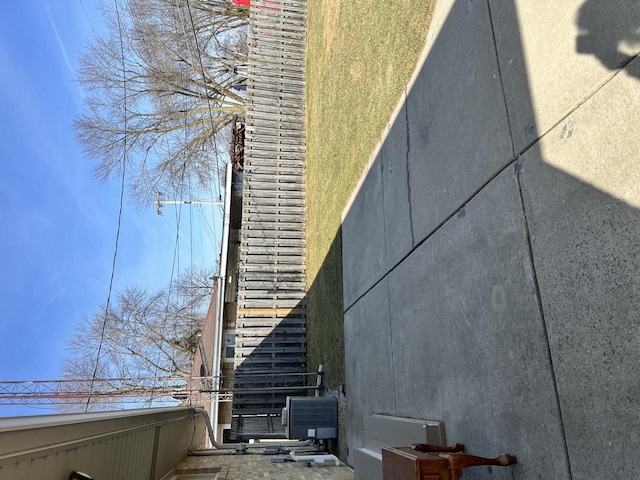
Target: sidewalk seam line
(511, 162)
(433, 232)
(386, 255)
(437, 227)
(393, 363)
(408, 165)
(504, 95)
(578, 105)
(536, 287)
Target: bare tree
(144, 334)
(161, 83)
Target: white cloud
(63, 50)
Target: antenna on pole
(160, 203)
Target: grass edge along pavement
(360, 56)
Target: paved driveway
(491, 254)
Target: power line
(131, 389)
(209, 229)
(87, 16)
(122, 184)
(214, 138)
(204, 79)
(176, 259)
(176, 249)
(190, 227)
(176, 262)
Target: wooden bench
(432, 462)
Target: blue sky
(59, 223)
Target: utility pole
(160, 203)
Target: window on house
(229, 346)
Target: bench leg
(463, 460)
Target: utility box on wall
(310, 417)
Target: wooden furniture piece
(432, 462)
(382, 430)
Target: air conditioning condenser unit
(310, 417)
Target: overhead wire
(192, 293)
(204, 79)
(117, 241)
(176, 252)
(208, 228)
(176, 259)
(175, 266)
(176, 256)
(215, 180)
(214, 136)
(87, 16)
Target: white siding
(140, 444)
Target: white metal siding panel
(119, 448)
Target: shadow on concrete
(607, 28)
(496, 291)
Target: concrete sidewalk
(491, 253)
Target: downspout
(222, 281)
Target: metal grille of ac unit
(312, 417)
